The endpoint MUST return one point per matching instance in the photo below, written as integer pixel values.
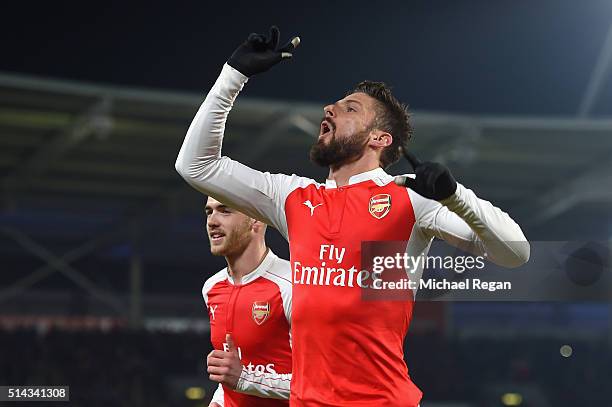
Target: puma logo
(311, 207)
(213, 308)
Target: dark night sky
(499, 57)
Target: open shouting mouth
(327, 127)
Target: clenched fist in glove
(433, 180)
(259, 53)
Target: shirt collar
(378, 175)
(265, 265)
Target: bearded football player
(345, 352)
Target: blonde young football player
(249, 305)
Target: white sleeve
(218, 397)
(269, 385)
(473, 224)
(257, 194)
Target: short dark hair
(392, 116)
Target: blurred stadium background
(103, 249)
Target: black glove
(433, 180)
(258, 53)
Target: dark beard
(337, 153)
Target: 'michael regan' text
(443, 285)
(467, 284)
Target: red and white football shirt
(257, 313)
(346, 351)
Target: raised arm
(199, 161)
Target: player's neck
(342, 174)
(247, 261)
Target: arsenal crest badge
(260, 311)
(380, 205)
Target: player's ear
(380, 139)
(259, 227)
(256, 225)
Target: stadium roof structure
(89, 189)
